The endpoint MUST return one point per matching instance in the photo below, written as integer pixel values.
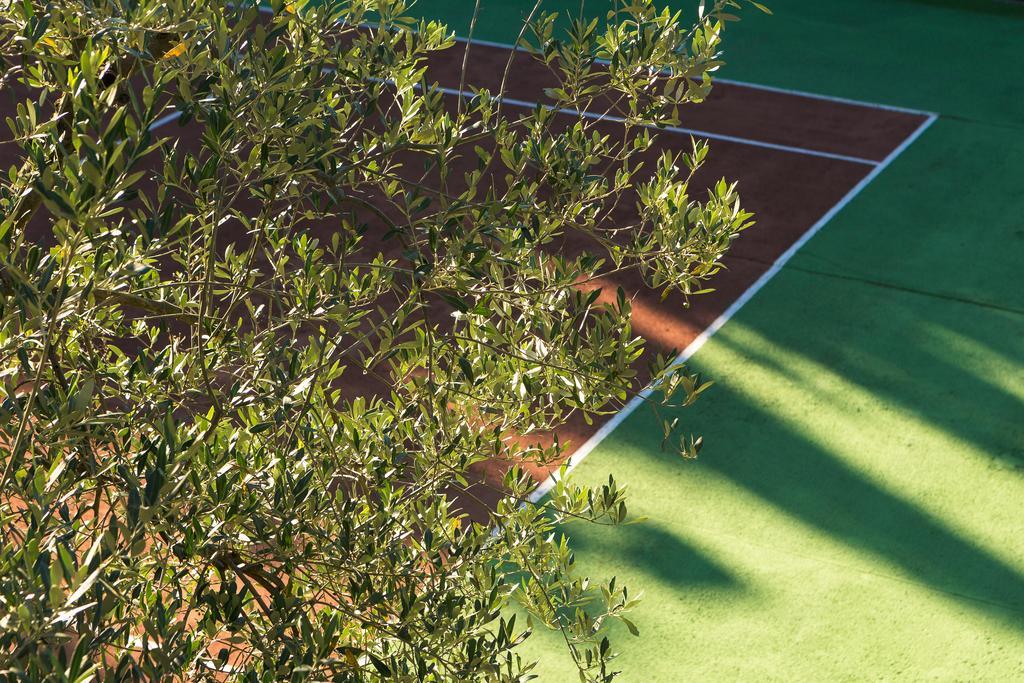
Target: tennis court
(798, 158)
(856, 510)
(854, 514)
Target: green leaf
(379, 665)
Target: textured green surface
(856, 513)
(857, 510)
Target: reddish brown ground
(787, 190)
(741, 111)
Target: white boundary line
(618, 119)
(164, 120)
(676, 129)
(826, 98)
(590, 444)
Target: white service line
(677, 130)
(618, 119)
(826, 98)
(164, 120)
(590, 444)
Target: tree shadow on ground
(925, 358)
(791, 473)
(648, 548)
(872, 361)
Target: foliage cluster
(250, 357)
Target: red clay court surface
(797, 159)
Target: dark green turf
(857, 510)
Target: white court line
(675, 129)
(590, 444)
(618, 119)
(826, 98)
(164, 120)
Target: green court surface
(857, 512)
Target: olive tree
(253, 358)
